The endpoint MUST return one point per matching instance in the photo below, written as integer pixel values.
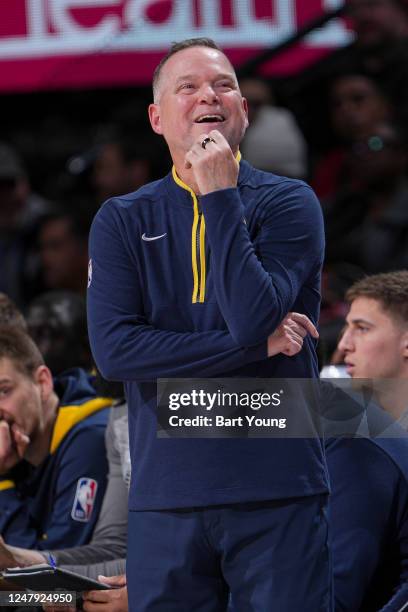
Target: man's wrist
(275, 345)
(25, 557)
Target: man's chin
(359, 382)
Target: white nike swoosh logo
(149, 238)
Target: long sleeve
(14, 519)
(400, 596)
(369, 543)
(126, 347)
(61, 528)
(109, 538)
(58, 527)
(287, 253)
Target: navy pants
(254, 557)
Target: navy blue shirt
(369, 522)
(56, 504)
(182, 286)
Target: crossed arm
(254, 298)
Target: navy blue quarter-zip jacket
(369, 521)
(186, 286)
(56, 504)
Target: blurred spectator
(367, 222)
(20, 211)
(273, 141)
(356, 105)
(121, 166)
(377, 25)
(57, 322)
(125, 158)
(10, 314)
(380, 48)
(63, 248)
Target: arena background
(67, 66)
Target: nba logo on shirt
(84, 499)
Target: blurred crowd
(342, 127)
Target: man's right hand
(13, 444)
(288, 337)
(12, 556)
(7, 558)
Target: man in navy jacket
(369, 476)
(53, 466)
(192, 276)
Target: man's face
(198, 92)
(257, 95)
(109, 173)
(356, 107)
(374, 342)
(63, 258)
(377, 21)
(380, 160)
(20, 406)
(13, 196)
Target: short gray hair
(175, 48)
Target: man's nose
(345, 343)
(208, 94)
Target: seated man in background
(375, 340)
(63, 247)
(10, 314)
(56, 320)
(20, 213)
(369, 475)
(273, 141)
(104, 556)
(53, 464)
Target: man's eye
(187, 86)
(224, 85)
(4, 392)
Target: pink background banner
(54, 44)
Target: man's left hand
(214, 167)
(114, 600)
(288, 337)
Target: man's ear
(154, 116)
(245, 106)
(43, 378)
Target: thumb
(113, 581)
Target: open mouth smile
(210, 118)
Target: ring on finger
(206, 140)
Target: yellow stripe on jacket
(69, 416)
